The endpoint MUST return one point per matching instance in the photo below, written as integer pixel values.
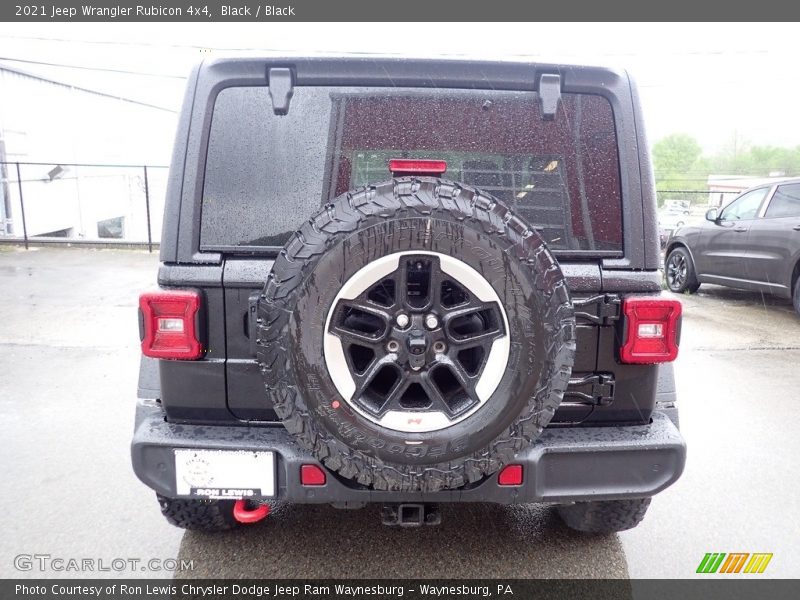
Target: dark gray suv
(753, 243)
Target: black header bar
(283, 11)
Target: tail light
(169, 324)
(510, 475)
(652, 330)
(312, 475)
(404, 166)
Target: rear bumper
(564, 465)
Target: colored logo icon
(734, 562)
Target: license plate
(224, 474)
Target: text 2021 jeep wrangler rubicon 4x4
(408, 282)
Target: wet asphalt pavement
(69, 358)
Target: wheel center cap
(417, 344)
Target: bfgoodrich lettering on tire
(415, 335)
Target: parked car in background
(753, 243)
(669, 220)
(681, 206)
(663, 235)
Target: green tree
(676, 153)
(680, 168)
(738, 158)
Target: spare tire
(415, 334)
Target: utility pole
(5, 207)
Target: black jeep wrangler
(408, 282)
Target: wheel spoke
(437, 278)
(417, 281)
(358, 321)
(393, 399)
(364, 381)
(479, 339)
(387, 292)
(348, 336)
(438, 402)
(465, 381)
(472, 304)
(479, 323)
(366, 306)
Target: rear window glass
(785, 202)
(266, 174)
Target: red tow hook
(245, 515)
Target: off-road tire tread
(198, 515)
(607, 516)
(409, 197)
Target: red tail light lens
(510, 475)
(652, 328)
(404, 166)
(312, 475)
(169, 321)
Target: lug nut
(392, 346)
(402, 320)
(431, 322)
(439, 347)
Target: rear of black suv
(408, 282)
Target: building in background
(70, 146)
(724, 188)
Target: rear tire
(198, 515)
(679, 272)
(604, 516)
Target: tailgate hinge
(598, 389)
(281, 89)
(602, 309)
(549, 95)
(252, 322)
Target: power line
(101, 42)
(88, 68)
(725, 52)
(137, 44)
(697, 176)
(84, 89)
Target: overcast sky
(712, 81)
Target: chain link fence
(124, 204)
(704, 198)
(87, 203)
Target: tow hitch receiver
(410, 515)
(243, 513)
